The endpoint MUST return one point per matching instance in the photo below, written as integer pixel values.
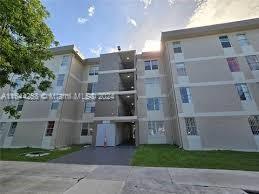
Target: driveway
(119, 155)
(32, 177)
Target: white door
(108, 131)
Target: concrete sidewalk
(28, 177)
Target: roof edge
(211, 29)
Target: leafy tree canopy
(25, 40)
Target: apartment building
(214, 85)
(201, 91)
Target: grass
(17, 154)
(171, 156)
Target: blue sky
(98, 26)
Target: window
(191, 127)
(233, 64)
(87, 129)
(253, 62)
(50, 127)
(17, 83)
(242, 39)
(243, 92)
(156, 128)
(151, 64)
(20, 106)
(177, 47)
(181, 70)
(91, 88)
(224, 41)
(254, 124)
(89, 107)
(54, 105)
(154, 64)
(186, 95)
(60, 79)
(65, 60)
(84, 131)
(12, 129)
(93, 70)
(153, 104)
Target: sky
(99, 26)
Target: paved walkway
(118, 155)
(29, 177)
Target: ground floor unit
(233, 132)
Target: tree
(25, 40)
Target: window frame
(12, 129)
(243, 92)
(89, 107)
(254, 63)
(89, 129)
(151, 64)
(84, 129)
(253, 122)
(191, 126)
(225, 42)
(153, 104)
(91, 87)
(17, 83)
(93, 71)
(186, 95)
(153, 128)
(233, 64)
(50, 128)
(177, 47)
(52, 105)
(65, 60)
(181, 69)
(60, 79)
(243, 40)
(20, 106)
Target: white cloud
(171, 2)
(132, 21)
(91, 10)
(219, 11)
(96, 51)
(147, 3)
(81, 20)
(151, 45)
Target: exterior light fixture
(128, 76)
(128, 58)
(128, 96)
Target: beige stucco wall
(226, 133)
(219, 98)
(28, 134)
(202, 47)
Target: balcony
(126, 105)
(127, 60)
(126, 82)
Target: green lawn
(171, 156)
(17, 154)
